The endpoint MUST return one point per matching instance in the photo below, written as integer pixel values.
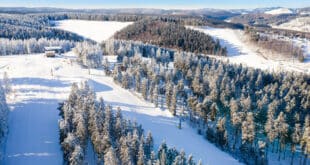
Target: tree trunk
(284, 153)
(292, 160)
(235, 139)
(305, 159)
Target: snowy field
(239, 52)
(95, 30)
(33, 136)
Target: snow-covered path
(240, 52)
(33, 136)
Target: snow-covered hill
(95, 30)
(40, 83)
(298, 24)
(279, 11)
(240, 52)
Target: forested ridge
(19, 26)
(250, 113)
(115, 140)
(171, 35)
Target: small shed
(51, 51)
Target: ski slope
(95, 30)
(33, 136)
(241, 53)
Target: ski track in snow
(33, 136)
(240, 53)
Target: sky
(164, 4)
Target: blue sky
(166, 4)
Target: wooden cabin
(51, 51)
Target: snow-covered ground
(95, 30)
(298, 24)
(40, 83)
(240, 52)
(279, 11)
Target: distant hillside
(299, 24)
(279, 11)
(262, 19)
(171, 35)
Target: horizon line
(145, 7)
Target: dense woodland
(19, 26)
(252, 114)
(115, 140)
(171, 35)
(15, 47)
(5, 88)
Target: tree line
(28, 46)
(250, 113)
(115, 140)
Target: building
(51, 51)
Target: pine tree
(141, 156)
(7, 83)
(270, 129)
(296, 136)
(190, 160)
(248, 129)
(220, 127)
(282, 129)
(163, 158)
(125, 152)
(106, 65)
(118, 124)
(138, 81)
(148, 147)
(77, 157)
(162, 153)
(174, 99)
(305, 139)
(144, 89)
(168, 93)
(125, 80)
(236, 118)
(110, 157)
(155, 95)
